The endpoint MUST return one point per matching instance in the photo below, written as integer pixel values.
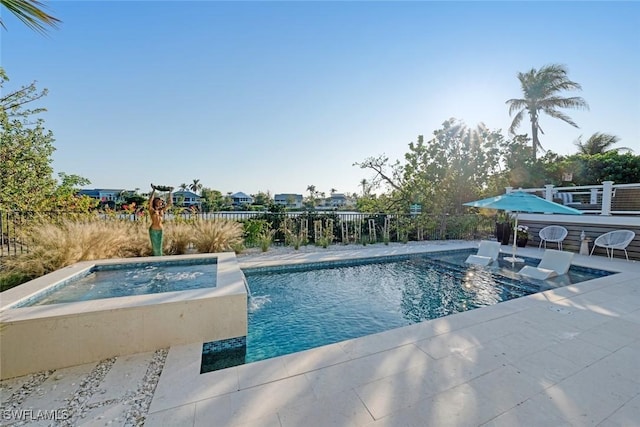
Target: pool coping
(9, 298)
(297, 380)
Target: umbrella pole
(515, 236)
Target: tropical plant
(183, 186)
(541, 89)
(253, 229)
(195, 186)
(365, 186)
(313, 195)
(31, 13)
(599, 143)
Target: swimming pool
(122, 280)
(298, 307)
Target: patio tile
(589, 397)
(612, 335)
(444, 345)
(310, 360)
(547, 367)
(533, 412)
(459, 406)
(272, 420)
(341, 409)
(183, 416)
(410, 417)
(361, 371)
(375, 343)
(123, 377)
(261, 372)
(254, 403)
(506, 387)
(579, 352)
(394, 392)
(518, 345)
(626, 416)
(114, 414)
(181, 382)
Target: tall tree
(32, 13)
(599, 143)
(195, 186)
(442, 173)
(541, 94)
(313, 195)
(26, 147)
(364, 183)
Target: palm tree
(541, 90)
(598, 143)
(312, 194)
(364, 183)
(195, 186)
(183, 186)
(31, 13)
(332, 191)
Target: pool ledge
(54, 336)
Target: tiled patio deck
(563, 357)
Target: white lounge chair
(617, 239)
(488, 252)
(554, 234)
(553, 263)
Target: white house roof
(241, 195)
(186, 193)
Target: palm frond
(31, 13)
(560, 115)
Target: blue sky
(276, 96)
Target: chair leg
(626, 254)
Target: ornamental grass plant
(217, 235)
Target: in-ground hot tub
(40, 330)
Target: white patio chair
(488, 252)
(554, 234)
(553, 263)
(617, 239)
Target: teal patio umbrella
(522, 202)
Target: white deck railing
(605, 199)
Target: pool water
(126, 280)
(295, 308)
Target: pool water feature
(122, 280)
(61, 334)
(298, 307)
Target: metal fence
(336, 226)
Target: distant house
(240, 199)
(338, 200)
(105, 196)
(186, 198)
(291, 201)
